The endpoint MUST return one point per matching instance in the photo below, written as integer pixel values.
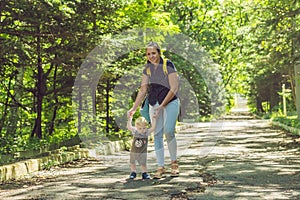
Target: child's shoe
(145, 176)
(132, 175)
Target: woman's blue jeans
(166, 122)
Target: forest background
(253, 43)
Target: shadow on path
(248, 160)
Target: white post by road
(283, 99)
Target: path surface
(237, 158)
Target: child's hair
(141, 121)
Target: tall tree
(44, 43)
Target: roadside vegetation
(253, 44)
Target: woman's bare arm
(140, 96)
(129, 124)
(153, 125)
(174, 86)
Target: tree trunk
(37, 131)
(107, 107)
(52, 123)
(259, 106)
(80, 107)
(94, 124)
(15, 121)
(5, 109)
(297, 86)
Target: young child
(139, 145)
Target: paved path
(236, 158)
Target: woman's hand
(157, 111)
(130, 113)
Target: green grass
(291, 121)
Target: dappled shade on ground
(247, 159)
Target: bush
(291, 121)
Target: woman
(161, 88)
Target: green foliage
(271, 50)
(48, 165)
(41, 57)
(291, 121)
(254, 45)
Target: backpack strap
(165, 66)
(148, 71)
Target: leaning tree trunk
(37, 130)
